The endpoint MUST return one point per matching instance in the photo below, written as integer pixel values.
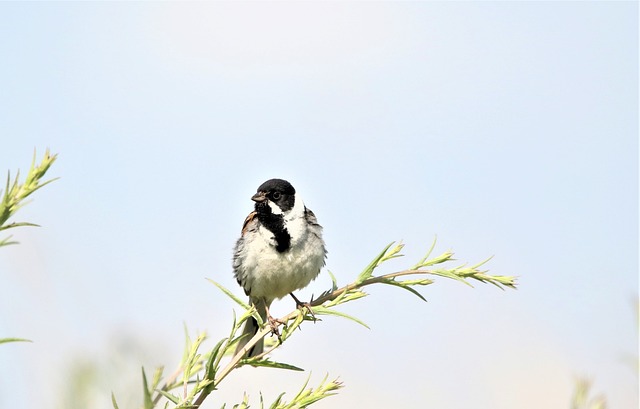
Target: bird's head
(275, 196)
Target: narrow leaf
(5, 340)
(7, 241)
(157, 377)
(113, 401)
(393, 253)
(171, 397)
(367, 272)
(272, 364)
(346, 296)
(334, 282)
(213, 361)
(230, 295)
(301, 391)
(18, 224)
(426, 257)
(148, 403)
(290, 327)
(406, 287)
(448, 274)
(326, 311)
(277, 402)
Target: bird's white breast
(270, 274)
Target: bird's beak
(259, 197)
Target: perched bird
(280, 250)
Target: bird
(280, 250)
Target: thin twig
(336, 293)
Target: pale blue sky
(506, 129)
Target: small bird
(280, 250)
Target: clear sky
(507, 129)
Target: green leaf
(483, 262)
(302, 390)
(308, 396)
(507, 281)
(6, 340)
(442, 258)
(193, 362)
(368, 271)
(216, 351)
(231, 295)
(499, 281)
(401, 284)
(251, 312)
(290, 327)
(334, 282)
(420, 263)
(187, 346)
(244, 404)
(393, 253)
(346, 296)
(15, 193)
(148, 403)
(157, 377)
(7, 241)
(448, 274)
(113, 401)
(18, 224)
(276, 403)
(212, 363)
(171, 397)
(272, 364)
(320, 310)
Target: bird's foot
(274, 323)
(304, 305)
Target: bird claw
(304, 305)
(307, 306)
(274, 323)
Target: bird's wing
(249, 222)
(310, 217)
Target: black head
(277, 191)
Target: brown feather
(248, 220)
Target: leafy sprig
(14, 197)
(16, 193)
(199, 374)
(582, 398)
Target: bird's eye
(275, 195)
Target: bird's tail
(251, 328)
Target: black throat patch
(275, 224)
